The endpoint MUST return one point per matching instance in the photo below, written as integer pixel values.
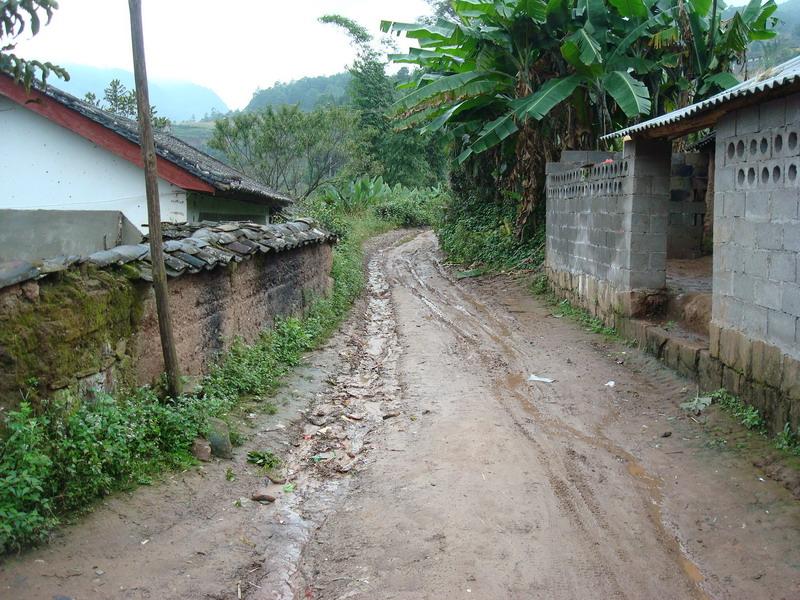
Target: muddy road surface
(423, 464)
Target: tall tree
(287, 149)
(410, 158)
(119, 100)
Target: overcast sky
(250, 43)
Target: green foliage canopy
(119, 100)
(535, 76)
(15, 15)
(287, 149)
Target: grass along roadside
(562, 308)
(786, 441)
(57, 460)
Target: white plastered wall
(46, 166)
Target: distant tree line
(346, 134)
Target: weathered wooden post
(153, 203)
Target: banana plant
(534, 76)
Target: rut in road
(506, 489)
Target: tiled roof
(772, 79)
(188, 248)
(217, 174)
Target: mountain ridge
(176, 100)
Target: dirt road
(429, 467)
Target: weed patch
(474, 231)
(747, 416)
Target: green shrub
(476, 230)
(26, 511)
(412, 208)
(746, 414)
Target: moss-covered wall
(63, 329)
(97, 329)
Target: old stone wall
(96, 328)
(211, 309)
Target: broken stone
(219, 436)
(390, 415)
(201, 450)
(355, 417)
(275, 477)
(262, 495)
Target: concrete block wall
(606, 232)
(755, 320)
(585, 218)
(687, 208)
(757, 225)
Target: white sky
(249, 44)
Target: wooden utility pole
(153, 202)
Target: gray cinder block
(783, 266)
(791, 299)
(747, 120)
(781, 329)
(768, 294)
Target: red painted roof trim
(56, 112)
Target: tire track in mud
(476, 325)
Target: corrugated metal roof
(776, 77)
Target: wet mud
(422, 463)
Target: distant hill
(177, 100)
(786, 45)
(308, 92)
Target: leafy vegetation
(523, 79)
(15, 16)
(287, 149)
(478, 228)
(307, 93)
(746, 415)
(265, 459)
(119, 100)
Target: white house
(62, 154)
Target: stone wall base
(758, 373)
(602, 299)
